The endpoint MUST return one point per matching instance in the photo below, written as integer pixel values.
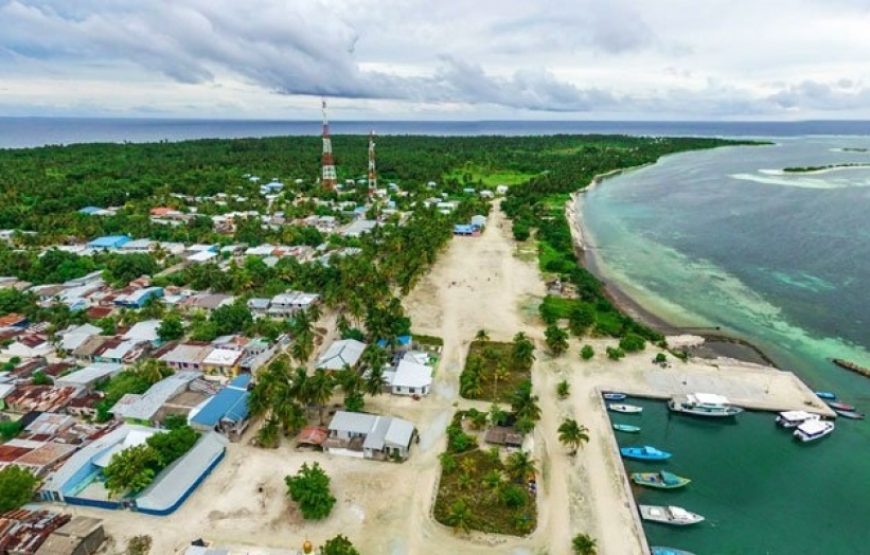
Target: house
(342, 353)
(186, 356)
(30, 345)
(478, 221)
(227, 411)
(14, 320)
(410, 378)
(138, 245)
(202, 256)
(74, 336)
(359, 227)
(90, 376)
(144, 331)
(221, 363)
(139, 297)
(120, 350)
(41, 398)
(108, 242)
(369, 436)
(142, 409)
(80, 536)
(207, 301)
(258, 307)
(289, 303)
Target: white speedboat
(794, 418)
(813, 430)
(624, 408)
(676, 516)
(703, 404)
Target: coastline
(717, 343)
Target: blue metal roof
(401, 341)
(109, 241)
(230, 402)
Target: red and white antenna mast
(328, 177)
(373, 175)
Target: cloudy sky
(443, 59)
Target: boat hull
(624, 409)
(851, 414)
(641, 455)
(730, 412)
(654, 480)
(626, 428)
(653, 513)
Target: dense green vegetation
(17, 486)
(538, 205)
(479, 490)
(134, 468)
(810, 169)
(493, 370)
(309, 488)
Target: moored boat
(660, 480)
(703, 404)
(676, 516)
(614, 396)
(839, 406)
(850, 414)
(624, 408)
(813, 430)
(826, 395)
(794, 418)
(628, 428)
(644, 453)
(660, 550)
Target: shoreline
(718, 343)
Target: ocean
(723, 238)
(17, 132)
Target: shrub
(615, 353)
(513, 496)
(587, 352)
(310, 489)
(632, 343)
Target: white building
(342, 353)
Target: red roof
(98, 312)
(312, 435)
(11, 319)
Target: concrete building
(410, 378)
(369, 436)
(142, 409)
(186, 356)
(342, 353)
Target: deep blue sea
(28, 132)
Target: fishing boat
(644, 453)
(826, 395)
(676, 516)
(613, 396)
(659, 550)
(625, 408)
(850, 414)
(660, 480)
(839, 406)
(628, 428)
(703, 404)
(813, 430)
(794, 418)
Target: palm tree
(267, 436)
(563, 389)
(583, 544)
(557, 339)
(481, 335)
(497, 415)
(375, 357)
(493, 481)
(520, 466)
(460, 516)
(375, 381)
(524, 404)
(314, 312)
(523, 351)
(319, 389)
(499, 372)
(573, 434)
(152, 369)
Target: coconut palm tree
(460, 516)
(152, 369)
(563, 389)
(523, 351)
(497, 415)
(319, 389)
(583, 544)
(520, 466)
(572, 434)
(499, 372)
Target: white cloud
(491, 58)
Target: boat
(624, 408)
(826, 395)
(659, 550)
(703, 404)
(794, 418)
(676, 516)
(813, 430)
(628, 428)
(613, 396)
(660, 480)
(644, 453)
(839, 406)
(851, 414)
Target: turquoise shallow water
(720, 238)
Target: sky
(443, 59)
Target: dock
(750, 386)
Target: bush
(660, 358)
(632, 343)
(615, 353)
(17, 486)
(457, 440)
(310, 489)
(513, 496)
(339, 545)
(39, 378)
(587, 352)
